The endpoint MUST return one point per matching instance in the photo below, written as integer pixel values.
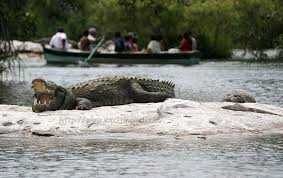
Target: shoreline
(241, 55)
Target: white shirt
(92, 41)
(56, 40)
(154, 46)
(194, 43)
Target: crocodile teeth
(45, 102)
(35, 101)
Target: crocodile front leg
(84, 104)
(142, 96)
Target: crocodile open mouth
(43, 101)
(44, 95)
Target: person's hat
(132, 34)
(91, 30)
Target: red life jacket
(185, 45)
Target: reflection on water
(206, 82)
(255, 156)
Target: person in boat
(84, 43)
(128, 42)
(131, 42)
(135, 45)
(119, 42)
(154, 44)
(163, 44)
(59, 40)
(92, 38)
(194, 41)
(186, 42)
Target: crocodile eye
(59, 89)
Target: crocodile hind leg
(142, 96)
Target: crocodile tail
(151, 85)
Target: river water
(151, 156)
(252, 156)
(208, 81)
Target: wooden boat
(73, 56)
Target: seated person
(154, 45)
(119, 42)
(92, 38)
(84, 43)
(59, 40)
(194, 42)
(163, 44)
(135, 46)
(186, 43)
(131, 42)
(128, 43)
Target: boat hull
(57, 56)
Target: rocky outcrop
(239, 97)
(27, 46)
(172, 117)
(243, 55)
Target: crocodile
(106, 91)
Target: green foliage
(141, 16)
(280, 46)
(15, 23)
(218, 25)
(52, 14)
(280, 41)
(260, 23)
(213, 23)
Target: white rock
(172, 117)
(241, 54)
(27, 46)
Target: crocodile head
(50, 97)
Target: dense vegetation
(218, 25)
(15, 23)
